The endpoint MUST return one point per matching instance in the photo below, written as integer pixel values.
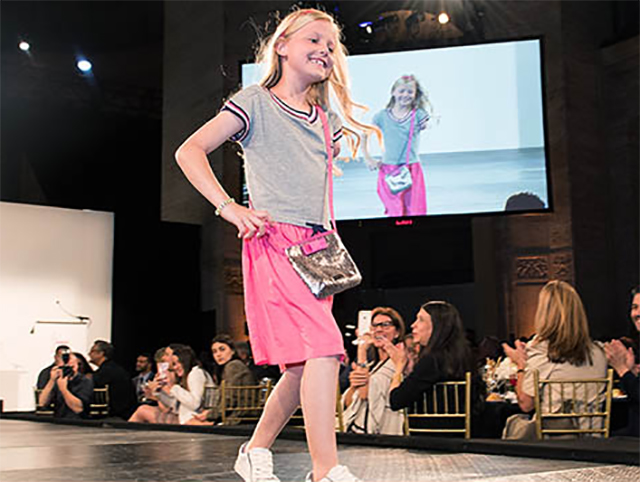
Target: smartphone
(364, 322)
(163, 370)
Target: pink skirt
(410, 202)
(287, 323)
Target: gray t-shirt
(285, 156)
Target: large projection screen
(484, 143)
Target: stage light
(364, 24)
(368, 29)
(84, 66)
(443, 18)
(24, 46)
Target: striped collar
(401, 120)
(298, 114)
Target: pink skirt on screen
(287, 323)
(410, 202)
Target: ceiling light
(84, 65)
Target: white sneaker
(256, 465)
(337, 474)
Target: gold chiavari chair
(44, 410)
(243, 403)
(99, 406)
(584, 406)
(446, 401)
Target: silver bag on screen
(326, 269)
(400, 180)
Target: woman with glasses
(366, 401)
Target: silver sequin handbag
(324, 264)
(400, 180)
(322, 261)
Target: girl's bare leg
(318, 393)
(282, 404)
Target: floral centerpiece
(500, 377)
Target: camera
(67, 371)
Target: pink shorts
(287, 323)
(412, 202)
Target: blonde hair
(422, 98)
(318, 94)
(562, 321)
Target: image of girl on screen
(287, 129)
(401, 185)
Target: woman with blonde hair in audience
(366, 401)
(561, 349)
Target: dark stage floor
(33, 451)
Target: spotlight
(24, 46)
(443, 18)
(84, 66)
(368, 29)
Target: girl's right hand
(249, 222)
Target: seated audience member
(523, 201)
(122, 398)
(181, 396)
(43, 376)
(69, 389)
(444, 355)
(162, 359)
(561, 349)
(83, 365)
(366, 402)
(260, 372)
(190, 381)
(622, 359)
(244, 352)
(228, 367)
(145, 374)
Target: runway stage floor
(35, 452)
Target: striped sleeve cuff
(239, 112)
(422, 124)
(337, 135)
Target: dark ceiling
(53, 119)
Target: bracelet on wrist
(223, 205)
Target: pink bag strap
(411, 129)
(329, 147)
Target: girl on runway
(279, 124)
(401, 185)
